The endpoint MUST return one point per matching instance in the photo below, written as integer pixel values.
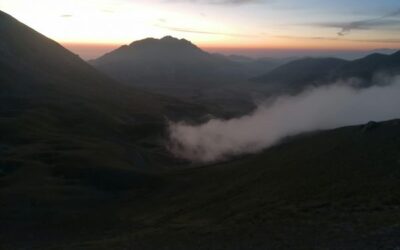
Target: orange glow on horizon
(90, 50)
(278, 44)
(94, 50)
(90, 27)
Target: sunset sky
(90, 26)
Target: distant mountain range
(301, 73)
(174, 66)
(178, 62)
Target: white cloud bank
(319, 108)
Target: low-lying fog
(317, 108)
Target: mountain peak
(174, 39)
(164, 60)
(169, 38)
(175, 42)
(167, 42)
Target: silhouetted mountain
(369, 67)
(385, 51)
(177, 68)
(299, 74)
(166, 61)
(302, 72)
(51, 100)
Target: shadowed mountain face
(59, 114)
(302, 73)
(167, 61)
(369, 68)
(177, 68)
(177, 62)
(33, 66)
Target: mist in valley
(318, 108)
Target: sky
(90, 27)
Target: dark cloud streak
(394, 40)
(366, 24)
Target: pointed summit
(168, 44)
(169, 38)
(176, 40)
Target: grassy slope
(337, 189)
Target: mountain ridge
(166, 61)
(298, 75)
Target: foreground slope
(335, 189)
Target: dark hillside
(333, 189)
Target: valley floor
(336, 189)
